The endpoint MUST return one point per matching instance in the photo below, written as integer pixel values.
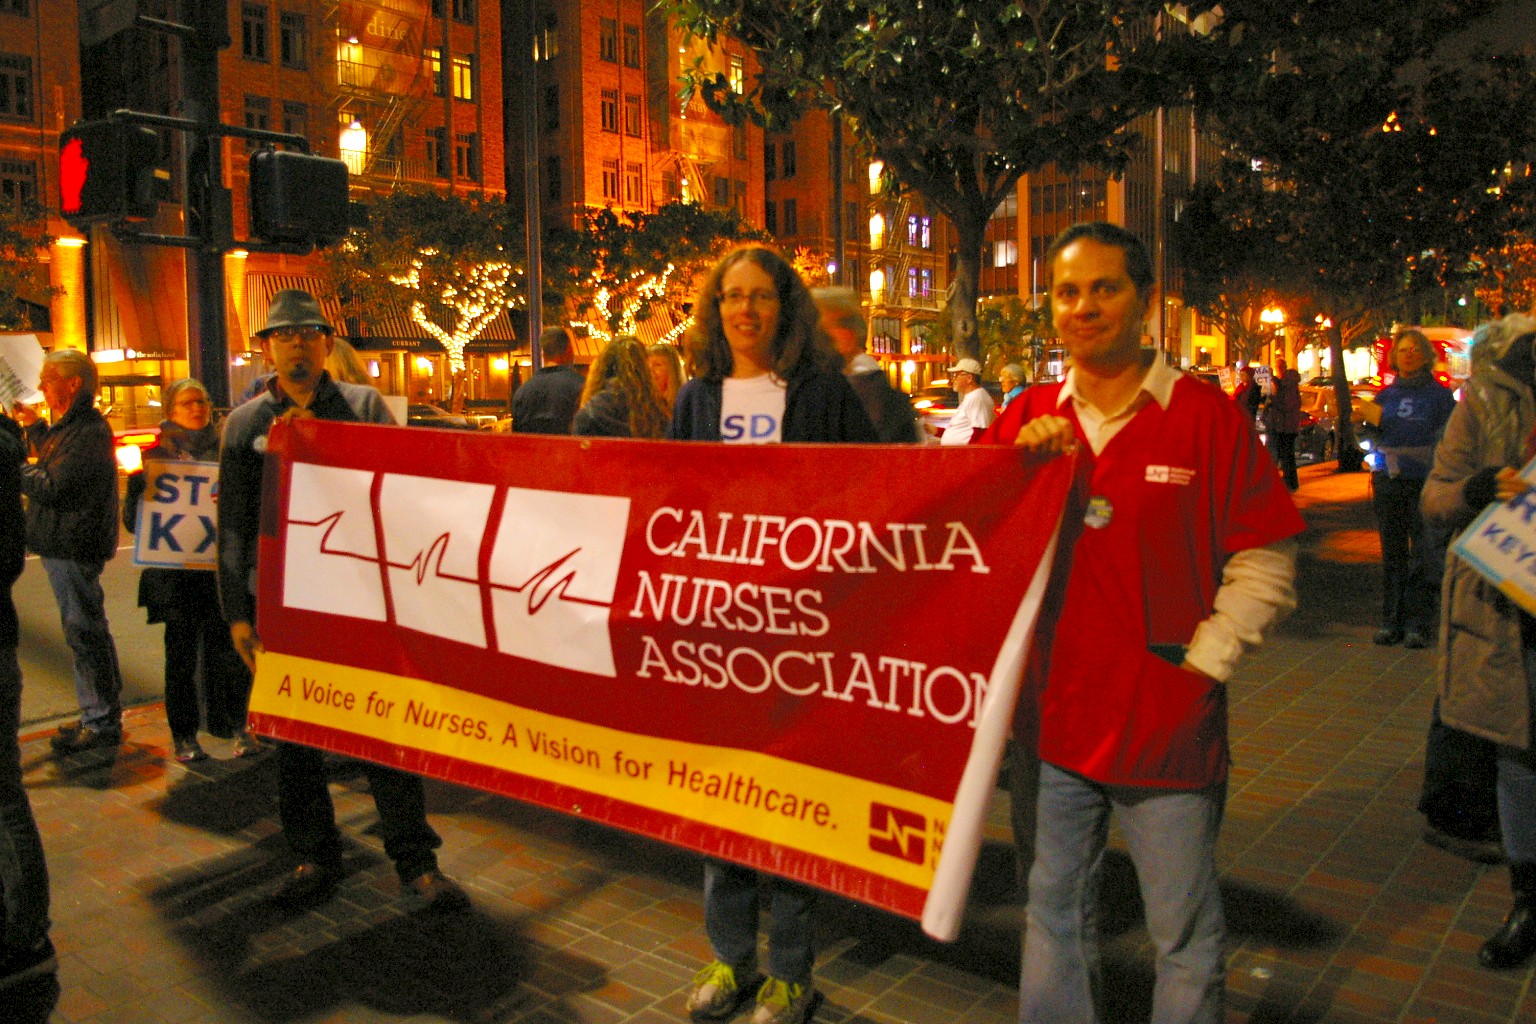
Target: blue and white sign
(178, 516)
(1501, 544)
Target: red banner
(781, 655)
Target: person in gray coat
(1488, 644)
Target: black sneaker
(75, 737)
(18, 965)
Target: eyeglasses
(741, 298)
(296, 333)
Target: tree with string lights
(627, 267)
(452, 262)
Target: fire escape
(379, 91)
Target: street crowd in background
(1184, 556)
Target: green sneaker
(785, 1002)
(715, 994)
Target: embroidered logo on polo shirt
(1170, 475)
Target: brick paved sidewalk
(163, 877)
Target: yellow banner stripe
(809, 809)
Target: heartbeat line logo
(898, 833)
(526, 572)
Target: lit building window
(464, 78)
(738, 75)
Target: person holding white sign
(1488, 664)
(187, 600)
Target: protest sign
(21, 364)
(177, 519)
(1501, 544)
(783, 655)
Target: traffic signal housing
(298, 198)
(107, 172)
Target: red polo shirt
(1173, 495)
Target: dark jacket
(547, 403)
(889, 409)
(167, 592)
(241, 461)
(13, 452)
(606, 414)
(72, 489)
(818, 407)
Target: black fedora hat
(294, 307)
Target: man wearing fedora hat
(975, 412)
(296, 341)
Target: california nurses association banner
(802, 658)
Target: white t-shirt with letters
(752, 410)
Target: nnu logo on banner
(543, 593)
(774, 654)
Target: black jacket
(547, 403)
(818, 407)
(13, 452)
(72, 490)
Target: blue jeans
(730, 921)
(23, 872)
(1172, 839)
(1516, 788)
(83, 612)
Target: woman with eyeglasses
(764, 373)
(187, 600)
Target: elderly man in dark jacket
(72, 525)
(25, 950)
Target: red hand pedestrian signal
(107, 172)
(73, 170)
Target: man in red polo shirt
(1185, 556)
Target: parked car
(423, 415)
(1318, 439)
(130, 445)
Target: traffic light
(298, 197)
(107, 172)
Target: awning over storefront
(370, 329)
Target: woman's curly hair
(621, 367)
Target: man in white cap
(975, 411)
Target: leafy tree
(451, 261)
(23, 235)
(1374, 166)
(959, 99)
(811, 265)
(623, 266)
(1008, 330)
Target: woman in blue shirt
(1411, 414)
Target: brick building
(39, 98)
(404, 91)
